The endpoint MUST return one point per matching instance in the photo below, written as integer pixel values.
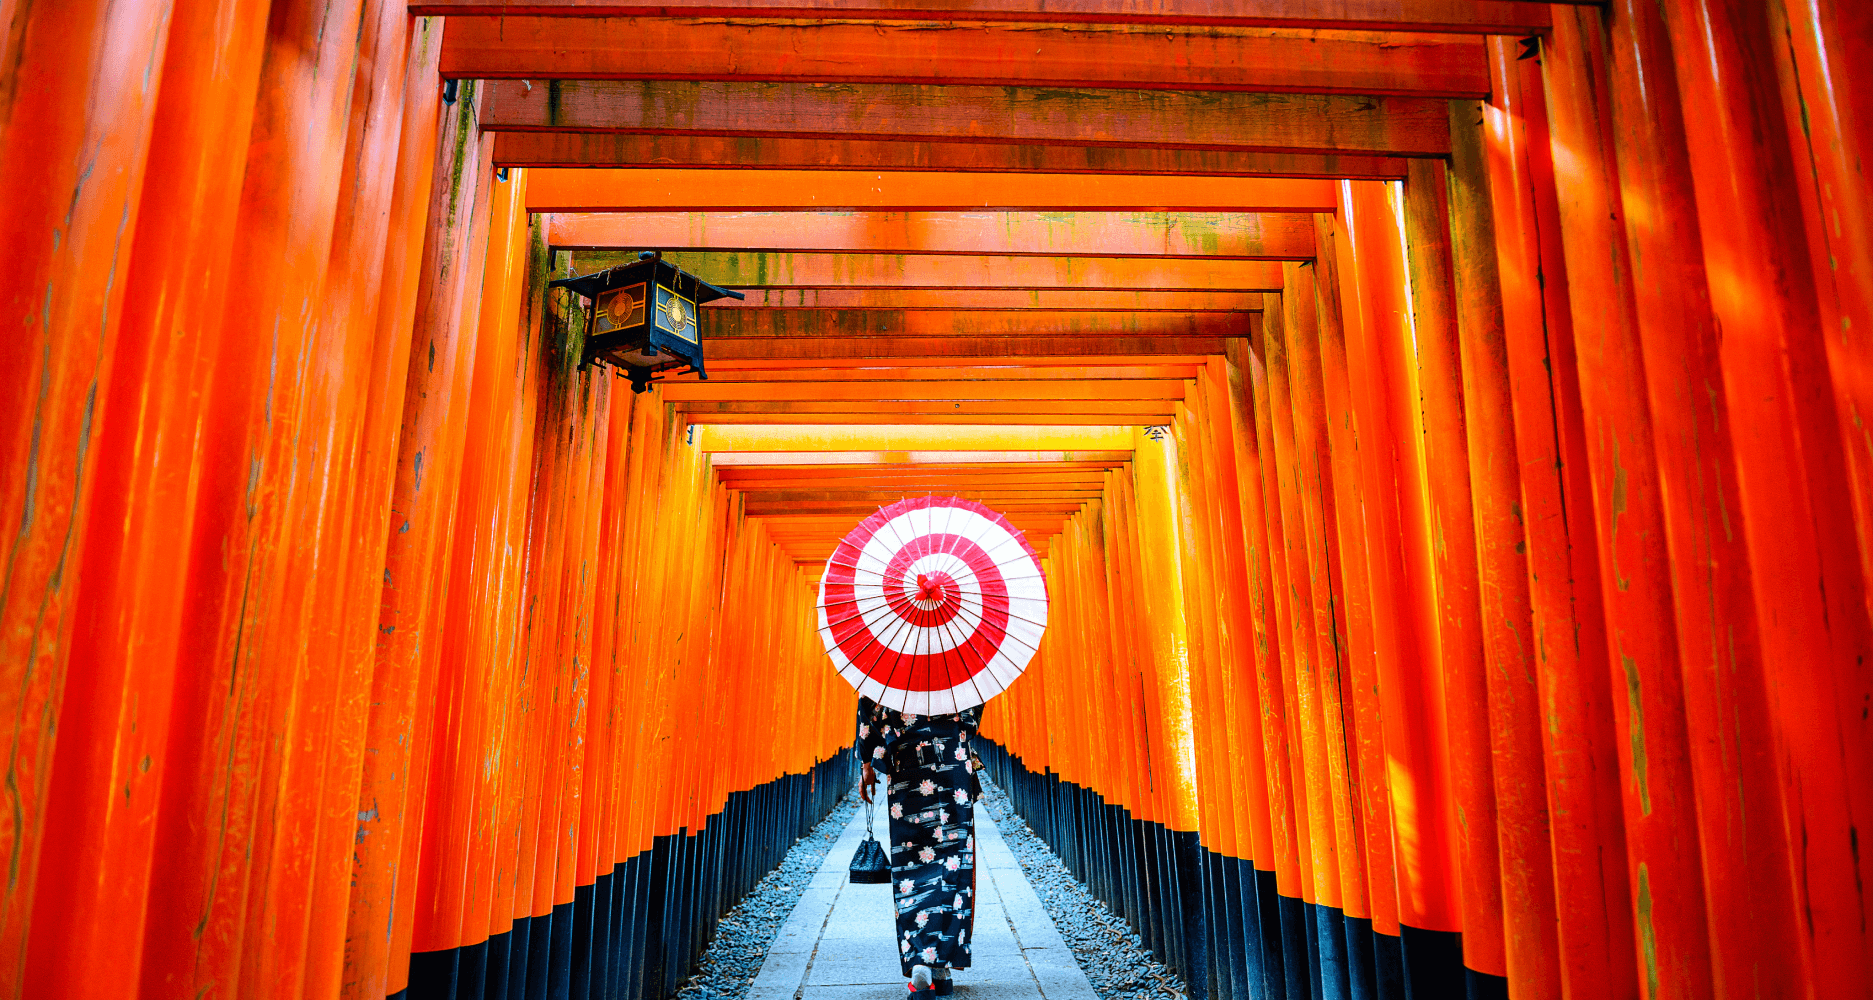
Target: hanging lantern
(642, 317)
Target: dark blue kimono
(932, 795)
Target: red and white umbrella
(932, 605)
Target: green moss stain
(458, 158)
(1635, 726)
(1648, 938)
(1619, 508)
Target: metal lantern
(642, 317)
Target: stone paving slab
(839, 943)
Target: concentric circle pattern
(932, 605)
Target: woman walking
(932, 795)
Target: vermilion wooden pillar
(295, 809)
(1371, 890)
(1827, 96)
(240, 676)
(452, 867)
(1592, 900)
(1301, 305)
(1531, 952)
(1796, 504)
(1665, 861)
(358, 298)
(364, 968)
(95, 872)
(435, 398)
(1290, 513)
(511, 392)
(1382, 371)
(1291, 603)
(1279, 873)
(1238, 612)
(1746, 856)
(1452, 558)
(74, 135)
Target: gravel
(1112, 956)
(735, 954)
(1109, 952)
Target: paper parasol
(932, 605)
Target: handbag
(869, 864)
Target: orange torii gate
(1442, 422)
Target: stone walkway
(839, 943)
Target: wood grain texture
(1273, 60)
(891, 348)
(1171, 119)
(756, 269)
(1469, 16)
(658, 189)
(721, 153)
(955, 299)
(1052, 234)
(841, 324)
(938, 392)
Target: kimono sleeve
(870, 741)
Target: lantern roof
(698, 290)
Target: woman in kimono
(932, 794)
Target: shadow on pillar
(1221, 923)
(636, 931)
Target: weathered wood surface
(1034, 366)
(975, 369)
(1080, 476)
(1053, 234)
(721, 153)
(1469, 16)
(841, 324)
(1181, 119)
(1272, 60)
(993, 299)
(756, 269)
(660, 189)
(893, 348)
(845, 391)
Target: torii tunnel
(1443, 424)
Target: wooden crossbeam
(723, 153)
(720, 375)
(757, 269)
(1172, 119)
(906, 479)
(1468, 16)
(809, 529)
(935, 484)
(1271, 60)
(1128, 410)
(862, 508)
(803, 524)
(663, 190)
(819, 350)
(849, 324)
(887, 437)
(732, 461)
(882, 391)
(868, 419)
(984, 366)
(1241, 236)
(994, 298)
(986, 495)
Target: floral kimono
(932, 796)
